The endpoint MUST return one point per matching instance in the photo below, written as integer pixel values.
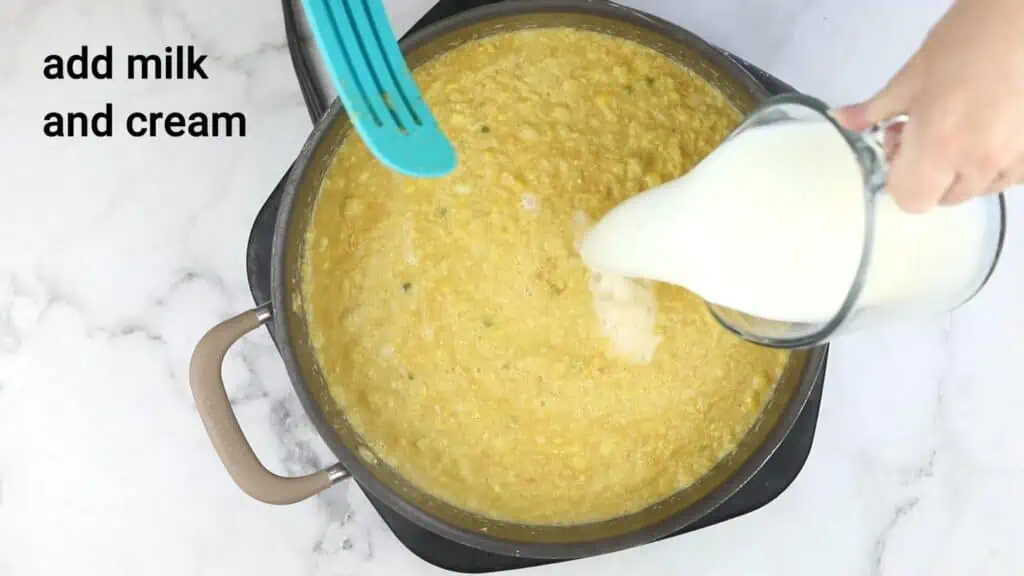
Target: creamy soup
(459, 330)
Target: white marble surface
(118, 254)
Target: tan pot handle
(222, 426)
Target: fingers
(964, 187)
(896, 96)
(853, 117)
(937, 159)
(921, 174)
(890, 101)
(1012, 175)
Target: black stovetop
(774, 477)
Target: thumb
(892, 100)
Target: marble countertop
(120, 252)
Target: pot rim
(361, 473)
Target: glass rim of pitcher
(869, 148)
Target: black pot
(355, 458)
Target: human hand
(964, 93)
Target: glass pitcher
(869, 300)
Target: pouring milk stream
(786, 224)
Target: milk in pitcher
(779, 223)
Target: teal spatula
(376, 88)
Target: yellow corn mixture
(458, 328)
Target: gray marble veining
(121, 253)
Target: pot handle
(222, 427)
